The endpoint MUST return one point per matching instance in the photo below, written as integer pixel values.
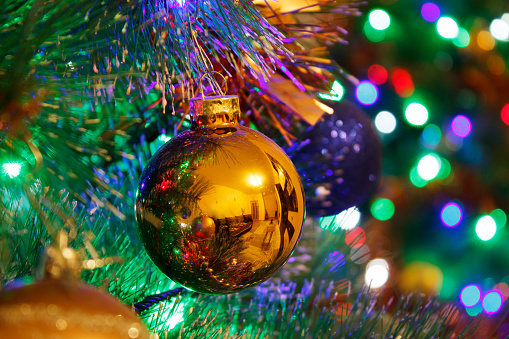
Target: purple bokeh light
(461, 126)
(430, 12)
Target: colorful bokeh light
(416, 179)
(366, 93)
(429, 166)
(377, 273)
(470, 295)
(492, 302)
(377, 74)
(430, 12)
(355, 237)
(461, 126)
(347, 220)
(474, 310)
(504, 114)
(486, 228)
(503, 288)
(382, 209)
(447, 27)
(451, 214)
(499, 29)
(335, 261)
(431, 136)
(454, 142)
(372, 34)
(445, 169)
(462, 39)
(379, 19)
(360, 254)
(416, 114)
(485, 41)
(500, 217)
(385, 122)
(402, 82)
(336, 93)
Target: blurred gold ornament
(58, 306)
(220, 207)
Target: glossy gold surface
(214, 112)
(51, 309)
(220, 209)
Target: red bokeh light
(505, 114)
(356, 237)
(402, 82)
(377, 74)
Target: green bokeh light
(328, 223)
(346, 220)
(449, 287)
(462, 39)
(445, 169)
(382, 209)
(500, 217)
(372, 34)
(336, 93)
(416, 179)
(474, 310)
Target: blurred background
(434, 79)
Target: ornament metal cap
(215, 111)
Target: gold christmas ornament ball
(56, 309)
(219, 207)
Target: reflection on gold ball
(220, 208)
(51, 309)
(203, 227)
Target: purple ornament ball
(339, 160)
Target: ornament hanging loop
(211, 73)
(196, 14)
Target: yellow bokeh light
(485, 40)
